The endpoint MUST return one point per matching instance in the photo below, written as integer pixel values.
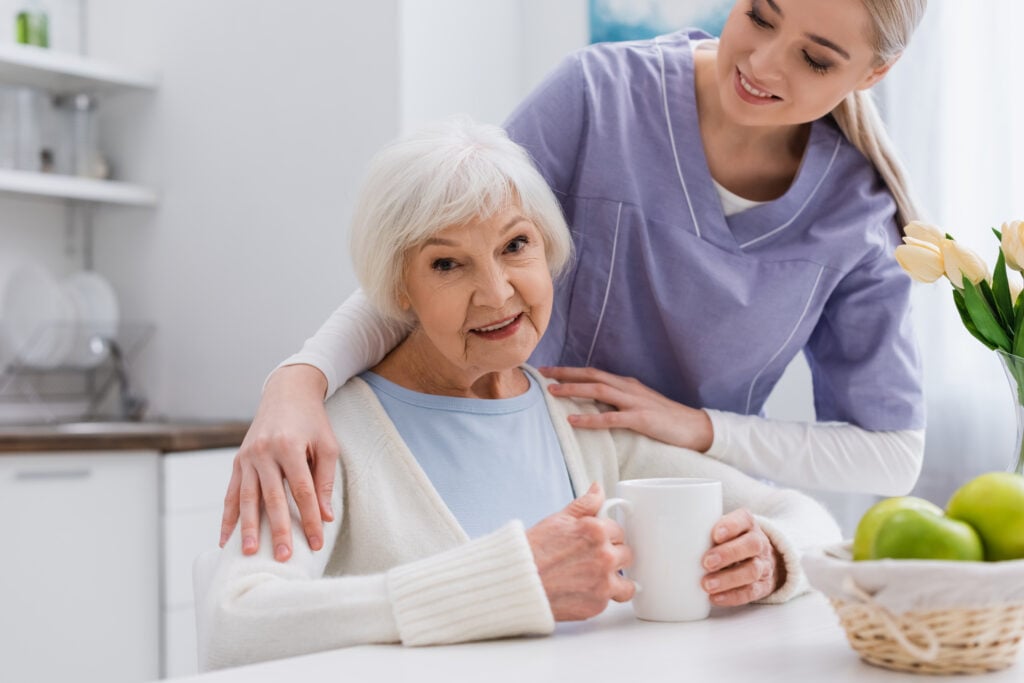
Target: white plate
(38, 317)
(98, 317)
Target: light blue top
(490, 460)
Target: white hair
(893, 23)
(442, 175)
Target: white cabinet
(194, 483)
(80, 576)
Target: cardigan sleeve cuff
(487, 588)
(796, 582)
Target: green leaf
(983, 316)
(999, 235)
(1018, 333)
(1001, 293)
(986, 292)
(1018, 327)
(949, 237)
(965, 317)
(1018, 311)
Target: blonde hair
(893, 22)
(444, 174)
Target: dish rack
(91, 381)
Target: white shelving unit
(61, 73)
(69, 187)
(66, 73)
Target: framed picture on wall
(612, 20)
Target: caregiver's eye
(443, 265)
(816, 66)
(757, 20)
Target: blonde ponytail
(894, 22)
(858, 119)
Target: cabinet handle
(57, 474)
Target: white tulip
(925, 232)
(1013, 244)
(924, 244)
(961, 261)
(922, 261)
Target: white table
(792, 643)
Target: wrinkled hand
(742, 565)
(290, 438)
(638, 407)
(579, 557)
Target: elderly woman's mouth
(499, 329)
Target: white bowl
(98, 317)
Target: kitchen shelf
(64, 73)
(69, 187)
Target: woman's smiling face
(786, 62)
(481, 293)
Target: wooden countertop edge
(165, 438)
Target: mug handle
(605, 513)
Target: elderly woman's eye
(443, 264)
(517, 245)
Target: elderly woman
(465, 505)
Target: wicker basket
(980, 637)
(950, 641)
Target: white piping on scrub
(672, 137)
(803, 206)
(807, 306)
(608, 287)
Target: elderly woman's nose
(493, 287)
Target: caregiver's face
(784, 62)
(481, 292)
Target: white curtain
(955, 109)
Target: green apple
(867, 528)
(993, 504)
(925, 535)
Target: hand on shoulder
(290, 438)
(637, 407)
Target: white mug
(668, 525)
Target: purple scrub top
(708, 309)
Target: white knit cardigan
(397, 567)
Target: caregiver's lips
(499, 329)
(749, 92)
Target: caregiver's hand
(579, 557)
(638, 407)
(290, 438)
(742, 565)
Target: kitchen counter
(170, 435)
(798, 641)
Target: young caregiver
(732, 203)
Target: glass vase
(1014, 368)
